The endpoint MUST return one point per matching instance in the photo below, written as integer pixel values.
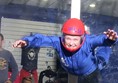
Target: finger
(16, 43)
(110, 33)
(105, 32)
(23, 43)
(113, 35)
(109, 30)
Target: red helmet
(73, 26)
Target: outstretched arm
(37, 40)
(109, 38)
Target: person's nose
(71, 42)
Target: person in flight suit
(75, 48)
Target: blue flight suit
(81, 62)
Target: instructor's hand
(19, 44)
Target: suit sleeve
(101, 40)
(39, 40)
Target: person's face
(72, 42)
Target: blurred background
(98, 15)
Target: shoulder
(6, 51)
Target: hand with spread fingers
(19, 44)
(111, 34)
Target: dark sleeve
(14, 67)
